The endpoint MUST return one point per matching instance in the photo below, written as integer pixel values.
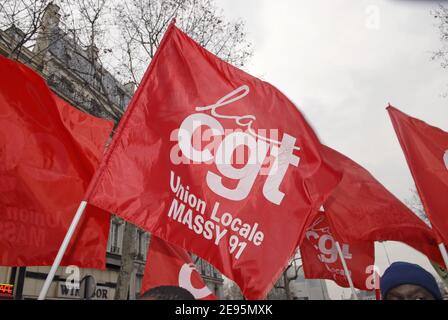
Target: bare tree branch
(143, 22)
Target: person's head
(407, 281)
(167, 293)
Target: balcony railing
(115, 249)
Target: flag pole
(62, 249)
(385, 251)
(442, 249)
(347, 273)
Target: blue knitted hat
(400, 273)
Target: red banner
(217, 162)
(321, 260)
(426, 151)
(168, 265)
(48, 153)
(362, 209)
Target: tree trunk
(127, 262)
(286, 284)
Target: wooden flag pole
(444, 254)
(62, 249)
(347, 273)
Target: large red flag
(48, 153)
(215, 161)
(426, 151)
(168, 265)
(320, 258)
(362, 209)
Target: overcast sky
(341, 62)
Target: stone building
(76, 75)
(308, 289)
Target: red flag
(215, 161)
(378, 294)
(321, 260)
(362, 209)
(168, 265)
(426, 151)
(48, 154)
(88, 132)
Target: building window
(216, 290)
(138, 285)
(97, 80)
(121, 100)
(94, 105)
(66, 86)
(203, 267)
(141, 245)
(67, 57)
(115, 237)
(208, 269)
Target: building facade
(299, 287)
(308, 289)
(75, 73)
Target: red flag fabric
(168, 265)
(321, 260)
(362, 209)
(378, 294)
(215, 161)
(89, 133)
(426, 150)
(48, 153)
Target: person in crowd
(407, 281)
(167, 293)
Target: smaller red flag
(426, 151)
(321, 260)
(168, 265)
(49, 151)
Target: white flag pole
(62, 249)
(444, 254)
(347, 273)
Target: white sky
(342, 62)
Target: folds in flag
(215, 161)
(362, 209)
(426, 150)
(48, 154)
(168, 265)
